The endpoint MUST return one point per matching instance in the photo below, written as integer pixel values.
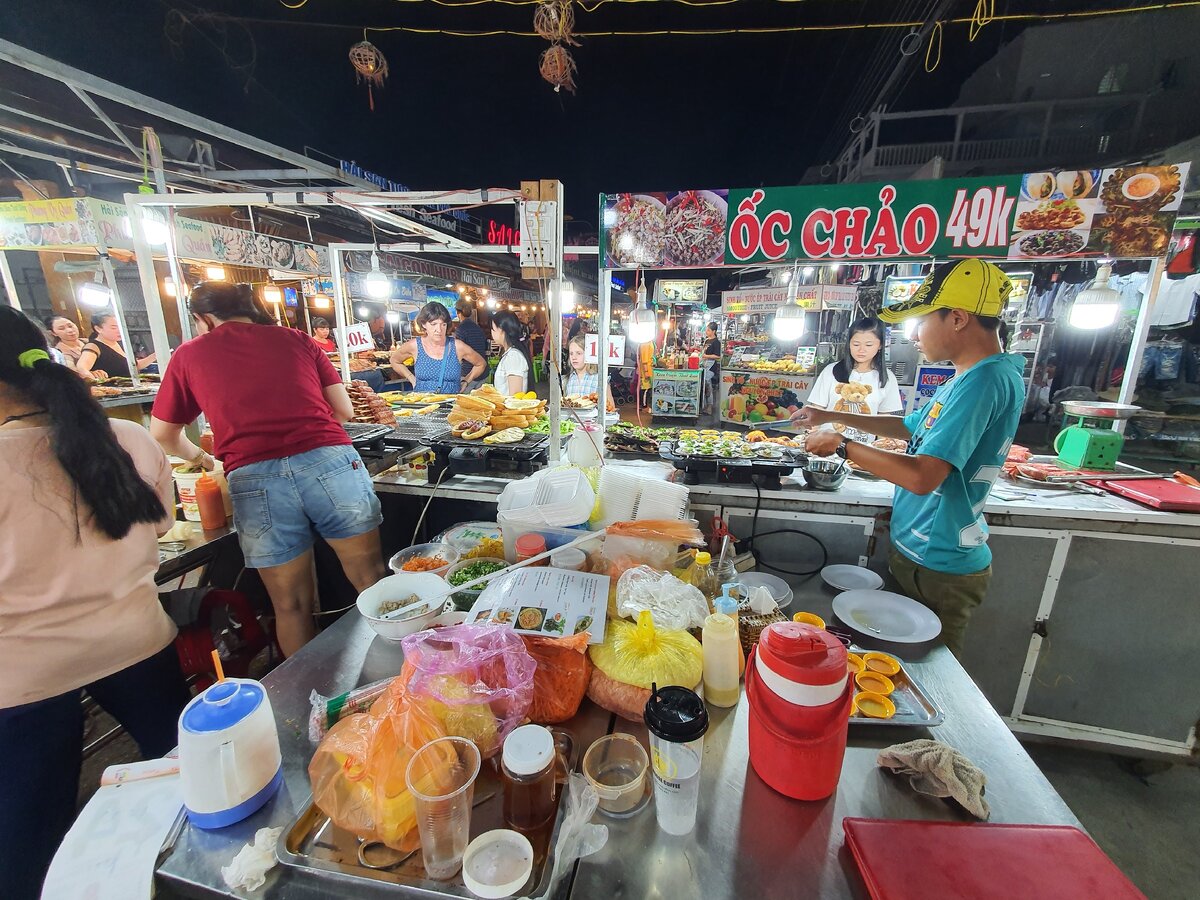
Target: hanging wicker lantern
(370, 65)
(558, 68)
(555, 21)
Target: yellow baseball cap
(974, 285)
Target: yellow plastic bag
(640, 654)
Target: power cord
(755, 534)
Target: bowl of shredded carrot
(436, 558)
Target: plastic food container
(616, 766)
(881, 663)
(855, 663)
(530, 545)
(874, 706)
(571, 558)
(497, 864)
(874, 683)
(464, 600)
(808, 618)
(445, 551)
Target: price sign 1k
(616, 348)
(357, 338)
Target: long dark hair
(225, 301)
(843, 367)
(515, 334)
(80, 434)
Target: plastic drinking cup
(677, 720)
(441, 778)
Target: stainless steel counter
(749, 841)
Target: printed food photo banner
(1124, 212)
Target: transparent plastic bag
(325, 712)
(577, 836)
(357, 772)
(561, 678)
(640, 654)
(676, 605)
(476, 680)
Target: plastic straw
(216, 658)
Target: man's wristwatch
(842, 447)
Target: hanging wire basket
(555, 21)
(370, 65)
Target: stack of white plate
(619, 492)
(661, 500)
(560, 497)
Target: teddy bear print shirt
(827, 393)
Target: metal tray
(313, 843)
(1099, 410)
(913, 704)
(447, 439)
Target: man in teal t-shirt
(957, 442)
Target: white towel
(939, 770)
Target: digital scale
(1092, 444)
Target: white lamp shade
(789, 322)
(155, 231)
(377, 285)
(642, 322)
(1097, 306)
(393, 318)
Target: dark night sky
(651, 113)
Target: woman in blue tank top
(436, 356)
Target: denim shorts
(279, 504)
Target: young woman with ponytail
(84, 501)
(513, 370)
(275, 404)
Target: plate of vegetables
(468, 570)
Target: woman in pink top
(83, 502)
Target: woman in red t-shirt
(291, 469)
(320, 334)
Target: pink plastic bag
(476, 679)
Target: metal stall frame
(372, 205)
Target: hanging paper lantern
(555, 21)
(370, 65)
(558, 68)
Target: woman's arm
(339, 401)
(516, 384)
(478, 363)
(147, 361)
(87, 358)
(405, 351)
(174, 442)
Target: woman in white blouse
(512, 372)
(862, 364)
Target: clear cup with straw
(441, 778)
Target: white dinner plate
(887, 617)
(851, 578)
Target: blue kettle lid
(222, 706)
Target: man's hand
(812, 415)
(822, 443)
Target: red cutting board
(913, 860)
(1159, 493)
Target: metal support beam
(10, 284)
(109, 123)
(1133, 363)
(154, 146)
(119, 309)
(269, 174)
(340, 303)
(150, 292)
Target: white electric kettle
(229, 760)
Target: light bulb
(362, 312)
(789, 322)
(1097, 306)
(745, 318)
(214, 273)
(492, 304)
(641, 325)
(272, 293)
(462, 289)
(169, 287)
(808, 270)
(94, 293)
(393, 318)
(155, 231)
(321, 301)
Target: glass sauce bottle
(528, 770)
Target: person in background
(103, 356)
(513, 370)
(957, 442)
(289, 463)
(711, 358)
(437, 357)
(467, 331)
(584, 377)
(65, 339)
(645, 371)
(862, 363)
(85, 499)
(321, 334)
(379, 331)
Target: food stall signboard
(357, 338)
(676, 392)
(838, 296)
(676, 290)
(753, 301)
(616, 348)
(929, 379)
(1124, 212)
(751, 398)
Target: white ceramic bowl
(399, 587)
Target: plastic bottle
(211, 503)
(727, 605)
(721, 646)
(700, 575)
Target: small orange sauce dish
(874, 706)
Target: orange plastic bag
(357, 773)
(561, 678)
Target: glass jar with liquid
(528, 768)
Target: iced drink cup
(677, 720)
